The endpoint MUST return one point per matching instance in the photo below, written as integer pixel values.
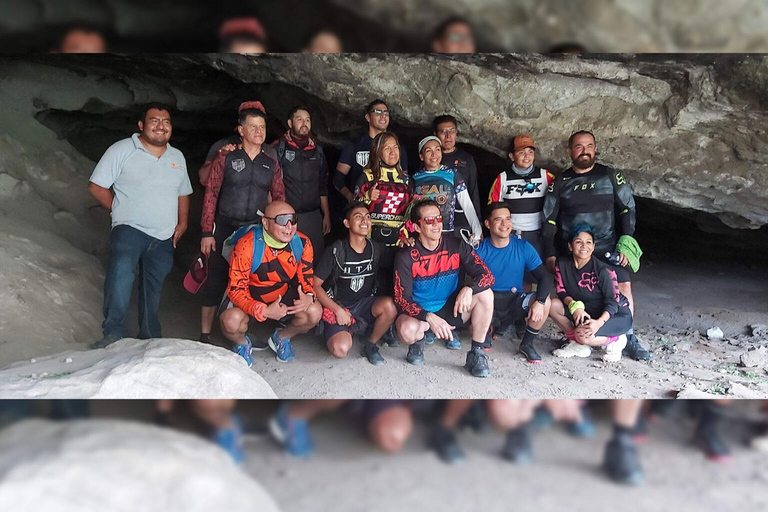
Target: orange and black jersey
(278, 271)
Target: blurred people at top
(323, 41)
(454, 35)
(81, 39)
(242, 35)
(568, 47)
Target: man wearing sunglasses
(241, 184)
(279, 287)
(428, 294)
(356, 153)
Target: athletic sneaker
(709, 441)
(429, 337)
(244, 351)
(530, 353)
(613, 350)
(443, 441)
(622, 462)
(454, 343)
(107, 340)
(517, 447)
(231, 440)
(416, 353)
(293, 434)
(635, 351)
(572, 349)
(475, 418)
(257, 345)
(373, 356)
(583, 429)
(477, 363)
(282, 347)
(542, 418)
(390, 338)
(640, 431)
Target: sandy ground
(676, 304)
(346, 474)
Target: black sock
(530, 334)
(478, 344)
(205, 337)
(369, 345)
(620, 432)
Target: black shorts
(508, 307)
(446, 313)
(361, 312)
(291, 294)
(617, 325)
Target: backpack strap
(297, 248)
(281, 151)
(258, 247)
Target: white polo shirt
(146, 188)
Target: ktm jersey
(524, 195)
(394, 197)
(252, 292)
(425, 280)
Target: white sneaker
(613, 350)
(573, 349)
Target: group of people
(414, 266)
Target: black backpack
(339, 252)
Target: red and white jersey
(524, 195)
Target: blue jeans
(154, 258)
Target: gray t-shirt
(146, 188)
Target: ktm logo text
(433, 264)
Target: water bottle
(614, 258)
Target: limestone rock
(754, 358)
(158, 368)
(99, 465)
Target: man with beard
(143, 182)
(305, 175)
(445, 128)
(355, 154)
(598, 196)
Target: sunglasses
(432, 220)
(284, 218)
(380, 112)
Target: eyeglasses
(284, 218)
(380, 112)
(432, 220)
(455, 37)
(447, 131)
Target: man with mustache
(143, 182)
(599, 196)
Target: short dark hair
(354, 205)
(295, 109)
(250, 112)
(580, 132)
(156, 105)
(442, 28)
(445, 118)
(416, 209)
(373, 104)
(581, 228)
(492, 207)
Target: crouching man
(270, 278)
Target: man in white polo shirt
(143, 181)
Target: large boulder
(107, 465)
(130, 368)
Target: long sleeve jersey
(524, 195)
(252, 292)
(425, 280)
(600, 198)
(394, 197)
(594, 284)
(446, 186)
